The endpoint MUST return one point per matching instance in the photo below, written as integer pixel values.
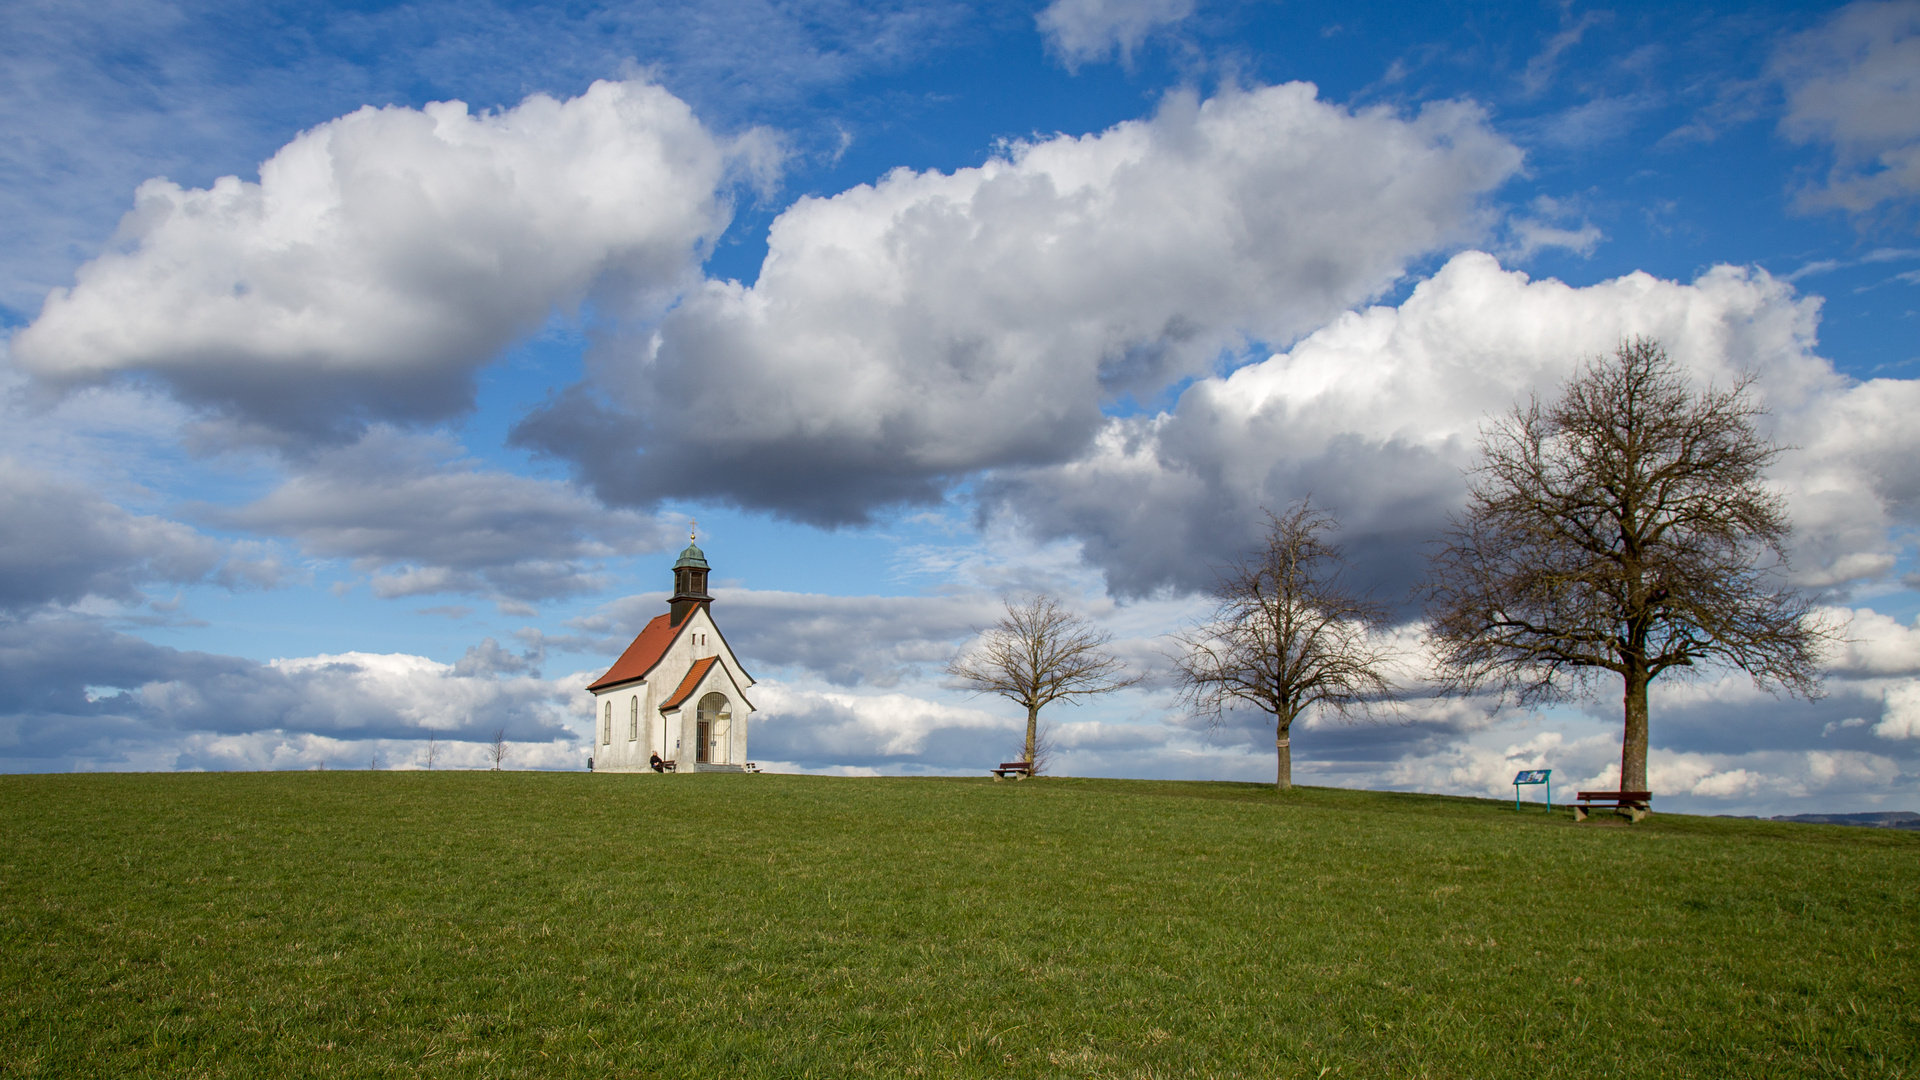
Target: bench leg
(1636, 814)
(1579, 813)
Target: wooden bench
(1636, 803)
(1019, 769)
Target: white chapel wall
(673, 735)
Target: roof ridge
(645, 654)
(691, 682)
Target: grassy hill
(527, 924)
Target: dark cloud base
(148, 694)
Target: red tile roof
(642, 655)
(687, 685)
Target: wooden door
(703, 735)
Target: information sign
(1533, 776)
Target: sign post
(1533, 776)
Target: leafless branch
(1042, 753)
(1625, 528)
(1286, 635)
(1039, 653)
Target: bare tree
(1286, 635)
(1040, 756)
(1039, 653)
(433, 750)
(499, 749)
(1626, 528)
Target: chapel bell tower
(689, 582)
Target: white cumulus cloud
(1854, 83)
(1083, 31)
(815, 728)
(383, 256)
(1378, 413)
(1873, 644)
(905, 334)
(1901, 720)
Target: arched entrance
(713, 724)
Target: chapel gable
(675, 700)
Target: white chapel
(678, 692)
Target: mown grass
(524, 924)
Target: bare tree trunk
(1033, 732)
(1633, 742)
(1283, 751)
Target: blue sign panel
(1533, 776)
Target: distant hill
(1890, 819)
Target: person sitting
(658, 765)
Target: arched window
(606, 732)
(633, 718)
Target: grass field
(528, 924)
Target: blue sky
(338, 419)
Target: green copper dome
(693, 556)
